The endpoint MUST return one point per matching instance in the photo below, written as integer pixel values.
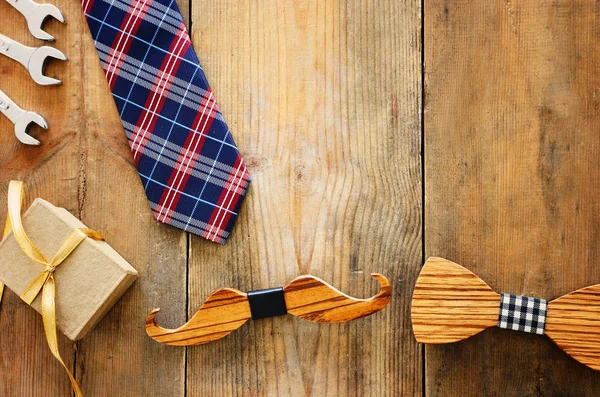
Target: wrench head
(37, 17)
(37, 64)
(22, 126)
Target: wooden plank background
(511, 176)
(325, 102)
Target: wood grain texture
(27, 368)
(307, 297)
(224, 311)
(323, 99)
(450, 303)
(511, 176)
(117, 358)
(84, 165)
(573, 323)
(312, 299)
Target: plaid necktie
(192, 172)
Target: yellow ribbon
(6, 230)
(45, 281)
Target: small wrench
(36, 14)
(34, 59)
(21, 119)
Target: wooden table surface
(377, 132)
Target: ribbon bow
(450, 304)
(44, 282)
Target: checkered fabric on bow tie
(523, 313)
(192, 172)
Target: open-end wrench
(36, 14)
(21, 119)
(34, 59)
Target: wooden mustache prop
(450, 304)
(307, 297)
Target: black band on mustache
(266, 303)
(307, 297)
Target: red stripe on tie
(177, 198)
(158, 94)
(87, 5)
(231, 194)
(122, 42)
(188, 157)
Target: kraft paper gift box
(89, 281)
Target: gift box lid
(88, 283)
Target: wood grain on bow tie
(450, 304)
(307, 297)
(573, 323)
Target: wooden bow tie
(307, 297)
(450, 304)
